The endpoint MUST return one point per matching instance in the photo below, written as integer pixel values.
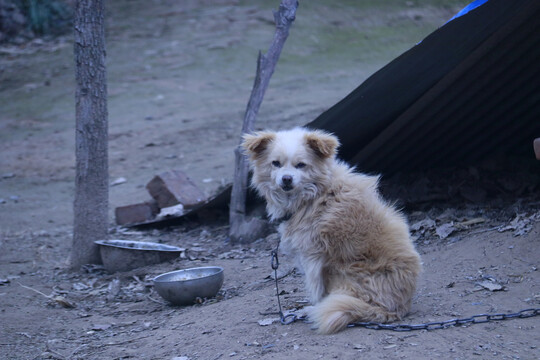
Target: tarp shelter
(468, 91)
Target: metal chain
(475, 319)
(284, 319)
(435, 325)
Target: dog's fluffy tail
(336, 311)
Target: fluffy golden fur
(355, 249)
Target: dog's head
(292, 161)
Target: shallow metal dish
(124, 255)
(183, 287)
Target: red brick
(136, 213)
(174, 187)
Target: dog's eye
(276, 163)
(300, 165)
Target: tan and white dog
(359, 261)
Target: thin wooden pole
(266, 64)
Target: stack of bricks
(167, 189)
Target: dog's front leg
(313, 267)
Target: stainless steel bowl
(183, 287)
(124, 255)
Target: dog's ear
(255, 144)
(323, 144)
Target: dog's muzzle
(287, 183)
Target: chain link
(435, 325)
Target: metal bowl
(183, 287)
(124, 255)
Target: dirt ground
(179, 75)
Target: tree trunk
(92, 174)
(265, 68)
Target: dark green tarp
(468, 91)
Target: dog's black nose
(287, 180)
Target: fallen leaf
(119, 181)
(63, 302)
(113, 289)
(423, 225)
(79, 286)
(101, 327)
(490, 285)
(521, 225)
(445, 230)
(267, 321)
